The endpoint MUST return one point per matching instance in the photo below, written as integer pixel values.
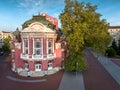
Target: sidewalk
(112, 68)
(72, 81)
(96, 77)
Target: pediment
(38, 27)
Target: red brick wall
(31, 65)
(44, 65)
(18, 62)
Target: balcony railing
(37, 57)
(51, 56)
(24, 56)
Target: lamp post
(76, 68)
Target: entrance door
(26, 66)
(38, 67)
(49, 65)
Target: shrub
(110, 52)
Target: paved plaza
(102, 74)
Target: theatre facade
(38, 53)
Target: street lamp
(76, 68)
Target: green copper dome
(40, 19)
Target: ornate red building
(38, 53)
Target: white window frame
(35, 48)
(50, 48)
(24, 46)
(50, 65)
(26, 66)
(38, 67)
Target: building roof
(5, 31)
(37, 18)
(114, 27)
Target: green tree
(118, 49)
(114, 45)
(84, 28)
(6, 46)
(17, 34)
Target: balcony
(51, 56)
(24, 56)
(37, 57)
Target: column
(45, 47)
(30, 47)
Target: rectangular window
(26, 66)
(38, 45)
(38, 48)
(26, 44)
(26, 47)
(50, 46)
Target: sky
(13, 13)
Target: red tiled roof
(5, 32)
(114, 27)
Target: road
(96, 77)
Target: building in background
(3, 35)
(51, 19)
(39, 53)
(114, 31)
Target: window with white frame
(38, 66)
(50, 65)
(26, 66)
(26, 47)
(38, 48)
(50, 46)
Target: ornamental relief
(30, 35)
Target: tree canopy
(17, 34)
(6, 46)
(84, 28)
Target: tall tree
(119, 44)
(114, 45)
(6, 46)
(118, 48)
(84, 28)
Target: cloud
(39, 6)
(34, 7)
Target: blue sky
(13, 13)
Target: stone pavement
(96, 77)
(112, 68)
(72, 81)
